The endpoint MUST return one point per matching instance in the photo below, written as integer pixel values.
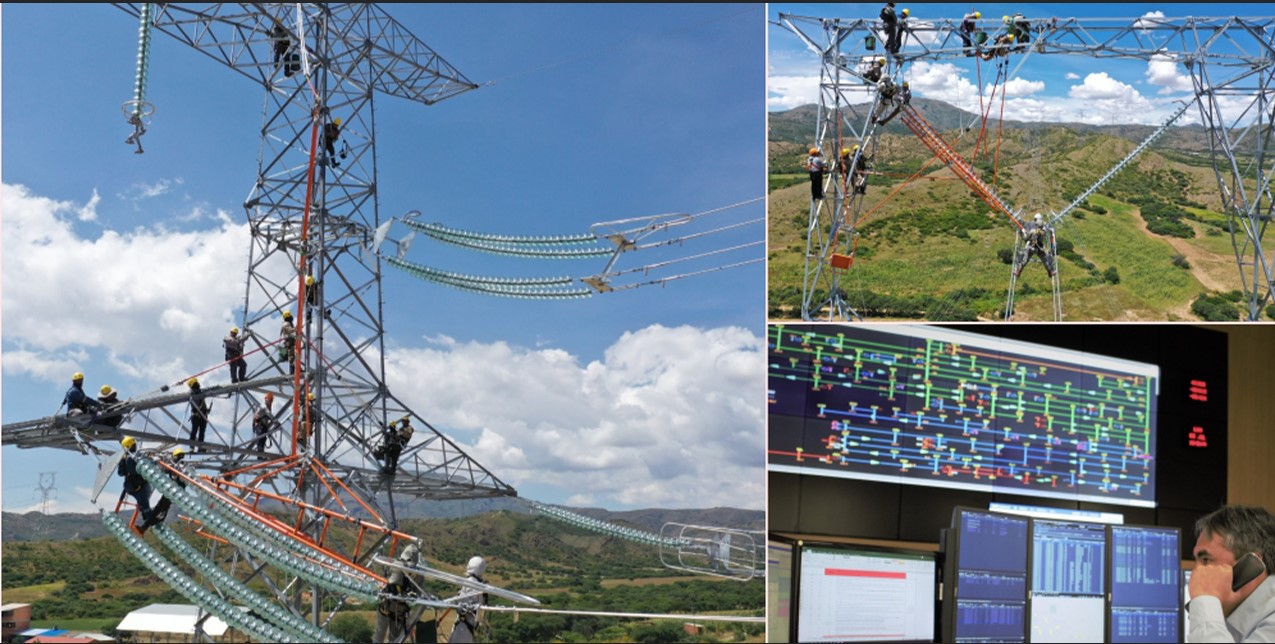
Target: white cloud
(669, 418)
(944, 82)
(787, 92)
(1100, 86)
(1154, 15)
(1163, 71)
(150, 295)
(1017, 88)
(1072, 76)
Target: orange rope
(301, 273)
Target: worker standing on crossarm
(234, 344)
(875, 69)
(890, 25)
(332, 132)
(199, 409)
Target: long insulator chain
(138, 109)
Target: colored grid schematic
(932, 406)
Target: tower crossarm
(1228, 41)
(364, 45)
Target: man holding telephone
(1232, 589)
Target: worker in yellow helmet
(161, 509)
(288, 342)
(234, 344)
(77, 402)
(135, 485)
(968, 26)
(332, 132)
(890, 25)
(815, 165)
(199, 410)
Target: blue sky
(130, 267)
(1047, 88)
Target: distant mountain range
(798, 125)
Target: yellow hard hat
(406, 419)
(178, 453)
(1005, 19)
(880, 61)
(905, 83)
(128, 443)
(845, 151)
(234, 330)
(905, 12)
(337, 121)
(309, 396)
(287, 315)
(105, 390)
(192, 382)
(77, 376)
(856, 146)
(977, 15)
(309, 280)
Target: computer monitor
(985, 577)
(778, 590)
(863, 594)
(1186, 599)
(1067, 581)
(1145, 584)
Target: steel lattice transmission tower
(310, 216)
(1230, 62)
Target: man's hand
(1214, 581)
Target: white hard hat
(1037, 217)
(410, 554)
(477, 566)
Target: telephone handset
(1245, 570)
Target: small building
(14, 618)
(175, 623)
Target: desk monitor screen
(987, 597)
(860, 594)
(1146, 584)
(1067, 583)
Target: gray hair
(1244, 529)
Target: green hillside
(1148, 246)
(97, 582)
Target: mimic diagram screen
(865, 596)
(1145, 577)
(1067, 563)
(991, 578)
(931, 406)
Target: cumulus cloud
(1164, 71)
(145, 294)
(1017, 88)
(669, 417)
(944, 82)
(787, 92)
(1151, 19)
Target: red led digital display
(1197, 438)
(1199, 391)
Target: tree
(350, 628)
(1112, 275)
